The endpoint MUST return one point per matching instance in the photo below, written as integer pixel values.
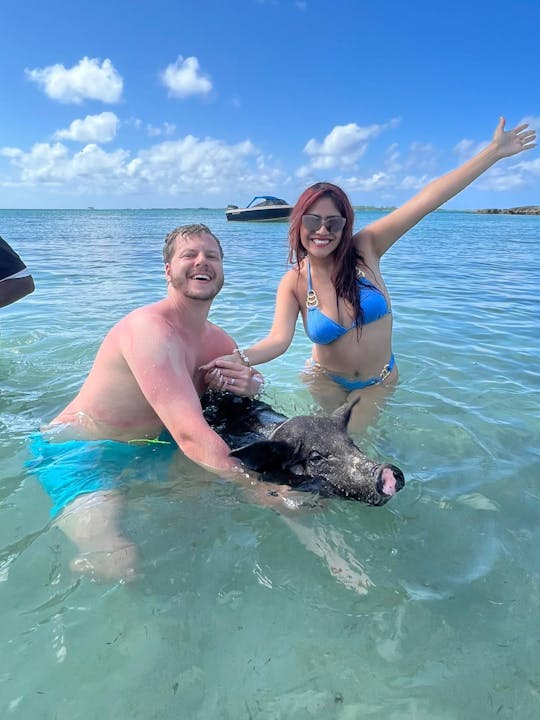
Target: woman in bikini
(337, 286)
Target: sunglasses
(334, 223)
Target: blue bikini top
(322, 330)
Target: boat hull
(268, 213)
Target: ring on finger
(231, 381)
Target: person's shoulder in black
(15, 278)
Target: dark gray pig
(309, 453)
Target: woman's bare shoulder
(290, 278)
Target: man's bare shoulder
(146, 317)
(219, 338)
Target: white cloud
(506, 174)
(183, 78)
(87, 80)
(422, 156)
(47, 164)
(376, 181)
(167, 129)
(172, 168)
(93, 128)
(343, 146)
(509, 175)
(466, 148)
(413, 182)
(531, 120)
(392, 158)
(135, 122)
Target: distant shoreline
(524, 210)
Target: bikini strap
(311, 299)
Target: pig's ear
(264, 455)
(343, 413)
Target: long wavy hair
(345, 255)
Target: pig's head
(315, 453)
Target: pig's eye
(316, 457)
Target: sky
(177, 103)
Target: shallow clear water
(426, 608)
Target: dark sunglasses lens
(335, 224)
(311, 222)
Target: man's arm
(157, 358)
(14, 289)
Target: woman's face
(323, 241)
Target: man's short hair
(186, 231)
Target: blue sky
(136, 104)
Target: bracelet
(243, 356)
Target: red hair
(345, 255)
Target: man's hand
(281, 498)
(226, 373)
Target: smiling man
(146, 378)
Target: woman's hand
(227, 373)
(513, 141)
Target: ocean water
(426, 608)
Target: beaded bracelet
(243, 356)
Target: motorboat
(269, 208)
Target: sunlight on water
(422, 609)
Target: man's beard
(202, 293)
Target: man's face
(196, 267)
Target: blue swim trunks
(69, 469)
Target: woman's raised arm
(383, 233)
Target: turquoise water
(426, 608)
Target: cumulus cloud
(92, 129)
(375, 182)
(183, 78)
(510, 174)
(172, 168)
(53, 164)
(88, 80)
(342, 147)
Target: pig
(310, 453)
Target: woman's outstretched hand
(511, 142)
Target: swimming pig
(310, 453)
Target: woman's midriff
(358, 355)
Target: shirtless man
(146, 378)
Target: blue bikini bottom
(72, 468)
(350, 385)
